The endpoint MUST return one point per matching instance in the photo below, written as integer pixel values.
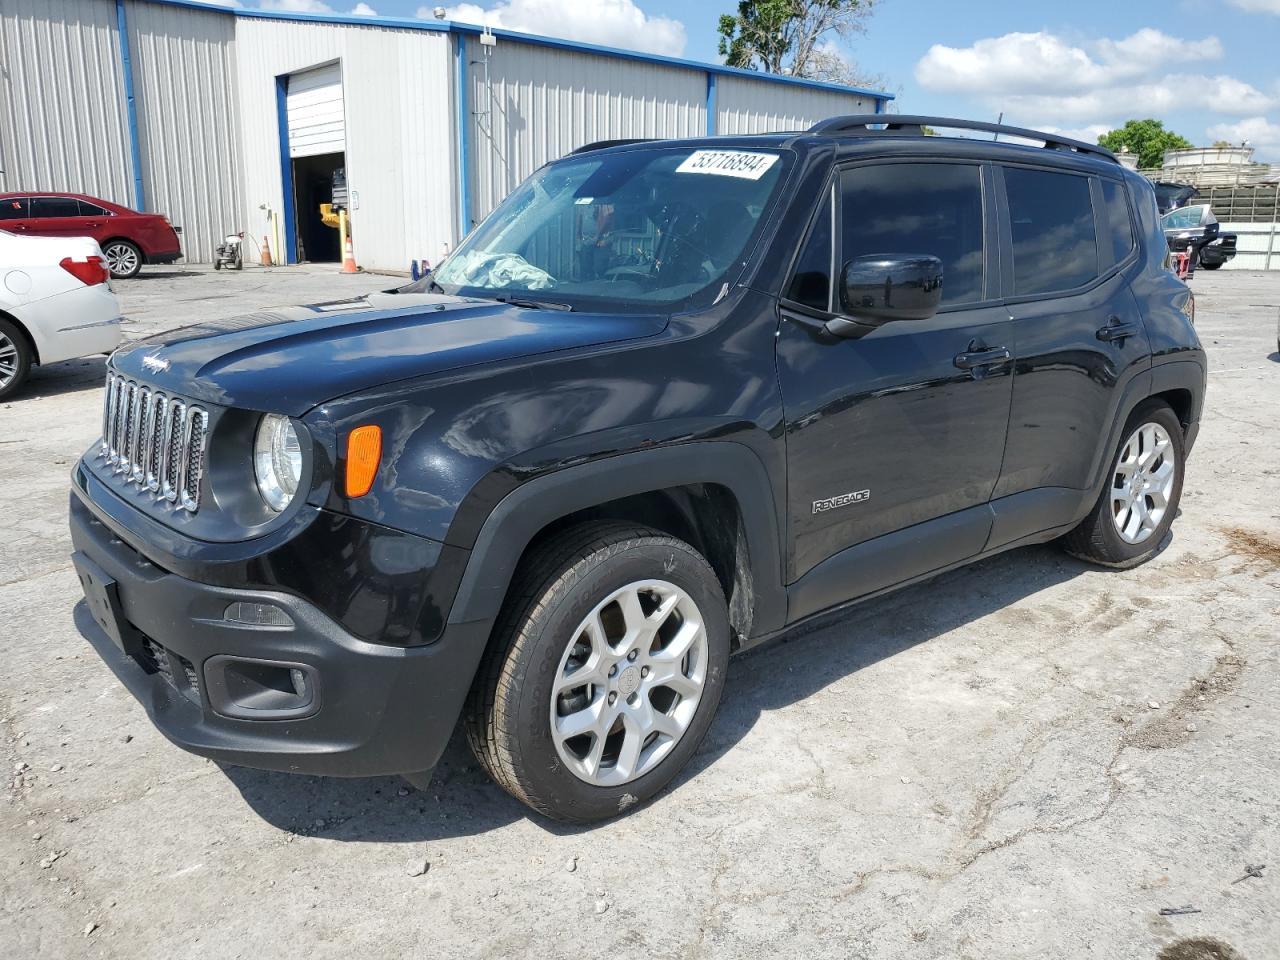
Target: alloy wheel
(1143, 481)
(122, 259)
(8, 361)
(629, 683)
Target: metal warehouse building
(234, 119)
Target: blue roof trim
(471, 29)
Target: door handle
(981, 358)
(1117, 329)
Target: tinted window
(91, 210)
(55, 207)
(811, 284)
(13, 208)
(929, 208)
(1054, 247)
(1116, 222)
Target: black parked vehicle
(1171, 196)
(1196, 229)
(669, 400)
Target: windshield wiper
(535, 304)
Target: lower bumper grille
(177, 670)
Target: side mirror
(883, 287)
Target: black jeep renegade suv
(670, 399)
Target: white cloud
(1261, 133)
(612, 23)
(1042, 79)
(363, 10)
(1257, 6)
(1089, 134)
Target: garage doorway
(314, 131)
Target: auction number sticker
(729, 163)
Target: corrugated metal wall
(399, 128)
(184, 88)
(62, 113)
(761, 106)
(539, 103)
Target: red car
(128, 238)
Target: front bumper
(375, 709)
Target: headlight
(277, 461)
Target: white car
(55, 304)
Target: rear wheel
(15, 358)
(124, 259)
(606, 671)
(1140, 498)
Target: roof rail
(870, 124)
(604, 144)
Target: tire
(123, 258)
(1210, 266)
(1116, 535)
(217, 263)
(15, 359)
(567, 600)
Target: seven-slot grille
(154, 440)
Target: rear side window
(1115, 220)
(1054, 244)
(91, 209)
(921, 208)
(811, 284)
(55, 207)
(13, 208)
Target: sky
(1078, 68)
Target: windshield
(1187, 217)
(646, 229)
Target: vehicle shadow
(154, 273)
(462, 801)
(1274, 357)
(70, 376)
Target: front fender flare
(526, 510)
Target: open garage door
(317, 154)
(314, 105)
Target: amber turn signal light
(364, 450)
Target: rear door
(57, 217)
(896, 428)
(1079, 334)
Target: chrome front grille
(155, 441)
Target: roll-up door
(314, 106)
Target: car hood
(292, 359)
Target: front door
(901, 426)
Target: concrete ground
(1026, 758)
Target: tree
(796, 37)
(1147, 138)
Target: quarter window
(91, 210)
(1054, 244)
(55, 207)
(918, 208)
(1116, 223)
(811, 284)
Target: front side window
(13, 208)
(638, 229)
(55, 207)
(918, 208)
(1118, 226)
(1188, 218)
(1051, 218)
(811, 282)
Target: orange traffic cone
(264, 255)
(349, 258)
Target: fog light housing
(257, 614)
(247, 689)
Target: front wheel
(124, 260)
(606, 670)
(1140, 498)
